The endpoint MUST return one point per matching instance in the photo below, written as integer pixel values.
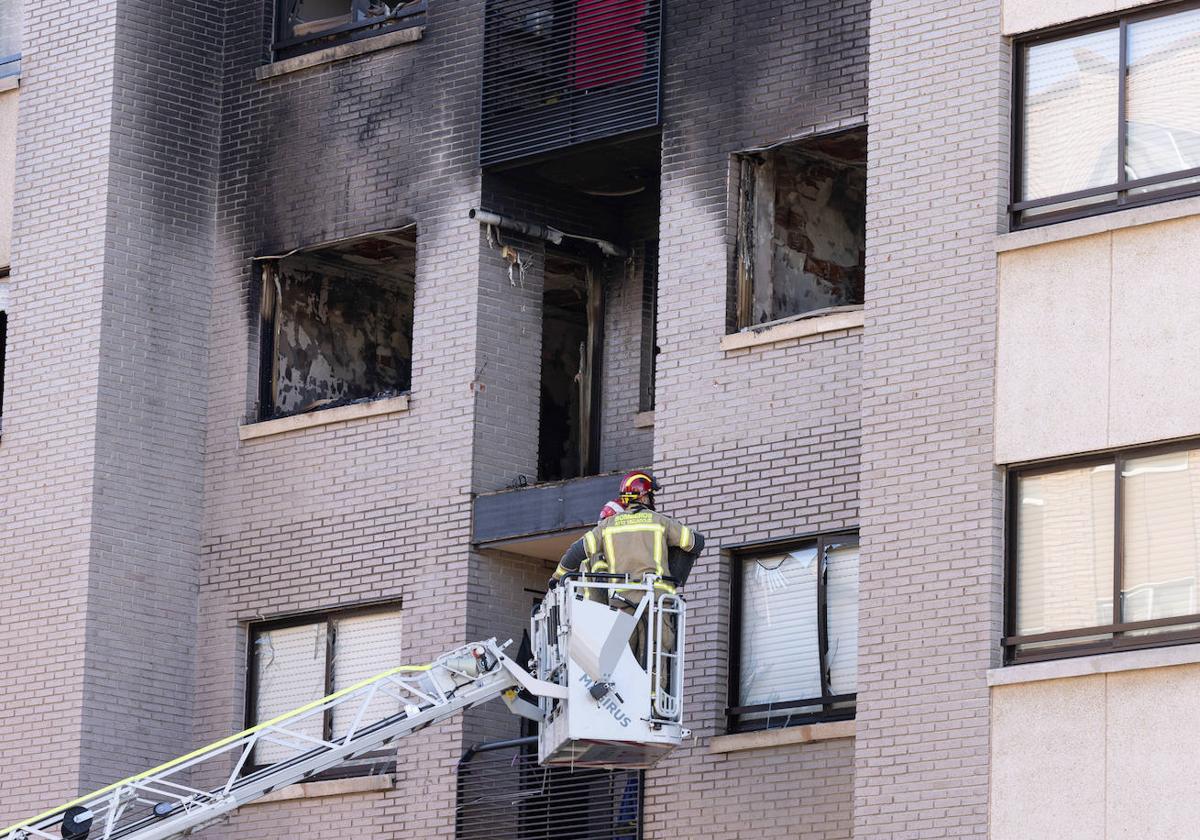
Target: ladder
(165, 802)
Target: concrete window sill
(1083, 666)
(340, 52)
(9, 83)
(1079, 228)
(782, 737)
(341, 414)
(802, 326)
(333, 787)
(643, 420)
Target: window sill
(1106, 663)
(339, 52)
(1117, 220)
(333, 787)
(643, 420)
(9, 83)
(782, 737)
(801, 327)
(341, 414)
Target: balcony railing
(562, 72)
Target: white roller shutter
(841, 605)
(365, 645)
(290, 672)
(780, 647)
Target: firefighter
(635, 542)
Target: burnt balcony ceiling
(558, 73)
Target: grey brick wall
(931, 567)
(755, 444)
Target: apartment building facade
(328, 326)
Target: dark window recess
(794, 625)
(1105, 116)
(3, 336)
(561, 72)
(572, 334)
(649, 348)
(337, 324)
(503, 794)
(299, 660)
(801, 228)
(306, 25)
(1103, 554)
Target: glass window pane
(364, 646)
(841, 599)
(1160, 527)
(290, 671)
(1164, 95)
(1065, 549)
(10, 35)
(1071, 114)
(780, 653)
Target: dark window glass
(305, 25)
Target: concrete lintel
(332, 787)
(1106, 663)
(341, 51)
(341, 414)
(643, 420)
(1093, 225)
(782, 737)
(842, 319)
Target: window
(1104, 554)
(801, 228)
(795, 625)
(297, 661)
(306, 25)
(1106, 117)
(337, 324)
(10, 37)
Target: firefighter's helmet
(638, 487)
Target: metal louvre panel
(561, 72)
(365, 645)
(290, 670)
(505, 795)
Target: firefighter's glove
(552, 584)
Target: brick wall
(931, 522)
(755, 444)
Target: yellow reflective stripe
(664, 586)
(215, 745)
(560, 571)
(600, 566)
(589, 542)
(655, 528)
(685, 537)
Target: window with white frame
(1104, 553)
(1106, 116)
(795, 631)
(298, 660)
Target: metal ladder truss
(163, 802)
(668, 702)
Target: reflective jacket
(634, 543)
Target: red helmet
(636, 485)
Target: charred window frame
(380, 761)
(1129, 152)
(821, 706)
(649, 333)
(1138, 542)
(799, 243)
(365, 304)
(298, 31)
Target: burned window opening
(337, 324)
(572, 319)
(801, 228)
(649, 333)
(306, 25)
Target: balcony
(559, 73)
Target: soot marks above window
(801, 233)
(337, 324)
